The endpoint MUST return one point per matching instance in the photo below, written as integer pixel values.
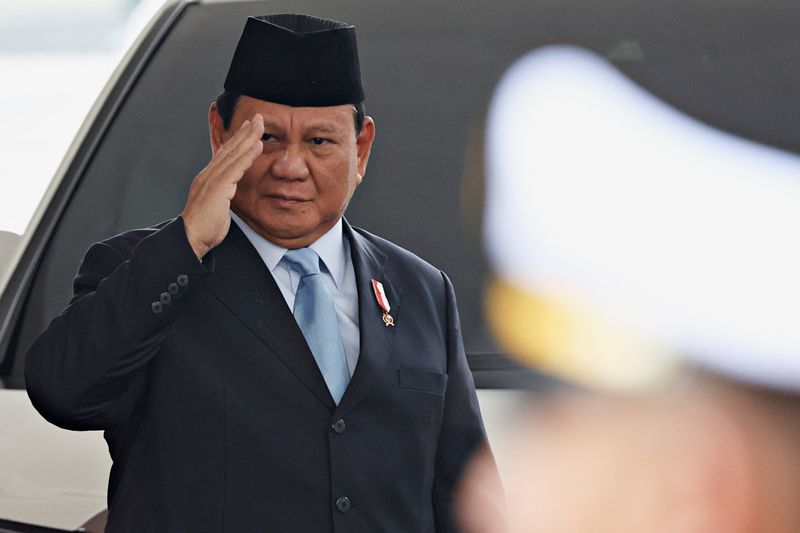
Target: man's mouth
(287, 199)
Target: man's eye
(267, 137)
(319, 140)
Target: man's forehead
(323, 117)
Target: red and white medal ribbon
(383, 302)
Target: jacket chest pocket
(422, 380)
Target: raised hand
(206, 215)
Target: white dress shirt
(337, 272)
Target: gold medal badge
(383, 302)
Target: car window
(429, 69)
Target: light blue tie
(316, 316)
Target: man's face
(311, 163)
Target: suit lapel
(375, 337)
(241, 281)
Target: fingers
(228, 166)
(249, 133)
(206, 214)
(244, 152)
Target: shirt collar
(330, 247)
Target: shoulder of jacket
(397, 255)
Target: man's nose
(290, 164)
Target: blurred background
(55, 58)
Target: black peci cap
(297, 60)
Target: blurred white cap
(634, 235)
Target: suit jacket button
(339, 426)
(165, 298)
(343, 504)
(183, 280)
(173, 288)
(156, 307)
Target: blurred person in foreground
(651, 261)
(256, 363)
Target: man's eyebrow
(272, 126)
(324, 128)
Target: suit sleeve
(462, 429)
(125, 297)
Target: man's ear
(216, 128)
(364, 145)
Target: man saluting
(257, 363)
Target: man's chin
(291, 236)
(287, 229)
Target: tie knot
(304, 261)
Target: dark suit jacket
(216, 415)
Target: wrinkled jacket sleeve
(127, 292)
(462, 429)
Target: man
(222, 410)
